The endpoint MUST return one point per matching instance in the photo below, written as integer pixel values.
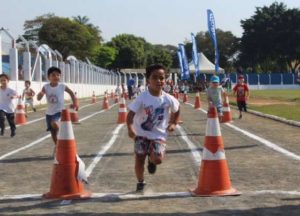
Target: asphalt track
(263, 157)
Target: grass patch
(292, 95)
(291, 112)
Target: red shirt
(241, 90)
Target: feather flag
(195, 55)
(185, 65)
(180, 62)
(212, 32)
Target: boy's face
(214, 84)
(54, 77)
(3, 82)
(27, 85)
(156, 80)
(241, 80)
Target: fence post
(13, 63)
(27, 65)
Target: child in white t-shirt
(28, 95)
(148, 121)
(6, 105)
(54, 91)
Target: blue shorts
(144, 146)
(52, 118)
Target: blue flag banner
(185, 64)
(195, 55)
(212, 32)
(180, 62)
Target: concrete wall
(82, 90)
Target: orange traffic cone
(74, 115)
(20, 113)
(185, 98)
(122, 111)
(227, 117)
(197, 104)
(214, 177)
(68, 171)
(105, 104)
(93, 98)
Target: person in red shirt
(241, 91)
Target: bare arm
(72, 95)
(41, 94)
(173, 121)
(129, 121)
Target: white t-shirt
(55, 98)
(6, 102)
(152, 114)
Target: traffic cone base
(67, 169)
(122, 112)
(214, 178)
(105, 104)
(197, 104)
(64, 184)
(20, 113)
(227, 117)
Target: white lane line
(104, 149)
(192, 146)
(43, 138)
(261, 140)
(24, 147)
(265, 142)
(133, 195)
(39, 119)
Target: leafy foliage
(270, 40)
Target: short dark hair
(27, 81)
(4, 75)
(53, 69)
(154, 67)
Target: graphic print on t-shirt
(53, 99)
(241, 91)
(154, 117)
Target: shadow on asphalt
(121, 154)
(291, 210)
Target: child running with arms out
(28, 95)
(54, 91)
(215, 92)
(6, 105)
(149, 121)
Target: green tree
(130, 49)
(105, 56)
(32, 27)
(228, 45)
(159, 54)
(68, 37)
(271, 39)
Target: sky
(158, 21)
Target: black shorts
(242, 105)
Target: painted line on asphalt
(136, 196)
(45, 137)
(196, 155)
(39, 119)
(261, 140)
(104, 149)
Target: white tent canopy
(205, 65)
